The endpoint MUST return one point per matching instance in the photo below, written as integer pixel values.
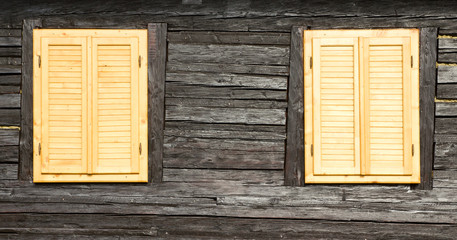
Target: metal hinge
(39, 149)
(311, 62)
(412, 63)
(312, 150)
(140, 149)
(412, 149)
(139, 61)
(39, 61)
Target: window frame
(295, 159)
(156, 51)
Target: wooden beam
(26, 135)
(157, 53)
(294, 161)
(427, 78)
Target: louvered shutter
(90, 105)
(361, 106)
(115, 105)
(335, 106)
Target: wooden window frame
(157, 33)
(294, 159)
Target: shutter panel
(387, 117)
(63, 105)
(336, 106)
(115, 105)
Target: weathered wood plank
(10, 41)
(261, 177)
(11, 234)
(232, 54)
(10, 117)
(10, 69)
(233, 131)
(427, 82)
(9, 137)
(183, 91)
(10, 80)
(156, 86)
(447, 74)
(223, 159)
(229, 38)
(174, 66)
(445, 179)
(10, 61)
(225, 103)
(9, 89)
(9, 154)
(294, 161)
(446, 109)
(8, 171)
(10, 32)
(227, 144)
(26, 122)
(229, 80)
(226, 115)
(244, 228)
(10, 51)
(445, 156)
(10, 100)
(446, 91)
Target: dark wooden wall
(224, 146)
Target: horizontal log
(445, 156)
(10, 79)
(445, 179)
(10, 41)
(232, 54)
(10, 100)
(174, 66)
(183, 91)
(9, 137)
(10, 69)
(446, 109)
(10, 61)
(262, 177)
(10, 32)
(229, 80)
(232, 131)
(10, 51)
(9, 154)
(229, 38)
(10, 117)
(225, 144)
(8, 171)
(24, 234)
(447, 74)
(9, 89)
(446, 91)
(243, 228)
(224, 103)
(222, 159)
(226, 115)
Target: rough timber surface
(228, 56)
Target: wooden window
(90, 105)
(361, 106)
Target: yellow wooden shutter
(90, 105)
(361, 106)
(335, 106)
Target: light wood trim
(316, 106)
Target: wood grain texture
(10, 117)
(10, 41)
(8, 171)
(427, 82)
(294, 159)
(446, 91)
(445, 130)
(446, 109)
(225, 103)
(447, 50)
(174, 66)
(10, 80)
(445, 156)
(229, 38)
(445, 179)
(10, 69)
(9, 154)
(157, 52)
(10, 100)
(9, 51)
(447, 74)
(212, 227)
(26, 138)
(186, 91)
